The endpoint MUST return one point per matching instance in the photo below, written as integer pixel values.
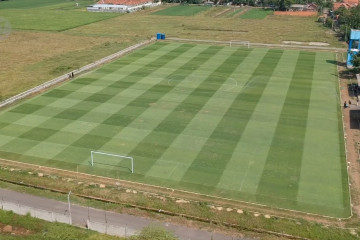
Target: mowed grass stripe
(91, 140)
(243, 172)
(106, 93)
(160, 139)
(207, 168)
(280, 178)
(127, 81)
(174, 163)
(57, 95)
(61, 119)
(323, 177)
(136, 108)
(158, 109)
(70, 113)
(96, 135)
(109, 73)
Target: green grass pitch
(252, 124)
(256, 13)
(182, 10)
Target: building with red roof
(346, 4)
(121, 5)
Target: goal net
(115, 160)
(236, 43)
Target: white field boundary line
(262, 44)
(177, 190)
(76, 72)
(301, 47)
(199, 40)
(345, 137)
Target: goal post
(239, 43)
(112, 155)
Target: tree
(285, 4)
(356, 61)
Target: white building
(121, 5)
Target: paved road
(133, 223)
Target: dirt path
(352, 136)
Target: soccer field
(251, 124)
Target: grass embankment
(19, 227)
(246, 220)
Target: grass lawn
(56, 17)
(258, 125)
(256, 13)
(26, 4)
(26, 227)
(182, 10)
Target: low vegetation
(329, 229)
(16, 227)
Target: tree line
(345, 20)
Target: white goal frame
(237, 42)
(112, 155)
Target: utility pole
(69, 207)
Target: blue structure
(354, 46)
(160, 36)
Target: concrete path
(132, 224)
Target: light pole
(69, 207)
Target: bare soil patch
(352, 137)
(6, 229)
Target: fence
(106, 228)
(49, 216)
(75, 72)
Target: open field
(258, 125)
(30, 57)
(182, 10)
(24, 4)
(234, 12)
(58, 15)
(52, 19)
